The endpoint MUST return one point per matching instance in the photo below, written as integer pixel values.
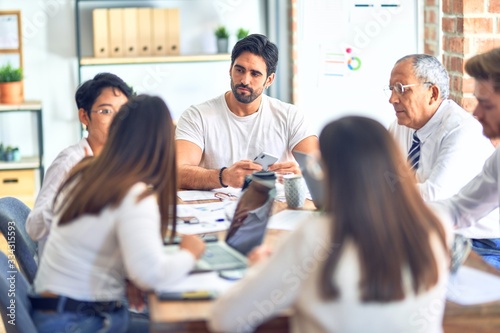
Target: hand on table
(258, 254)
(193, 244)
(135, 297)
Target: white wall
(51, 68)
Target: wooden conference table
(191, 316)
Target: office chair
(13, 215)
(13, 286)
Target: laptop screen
(248, 232)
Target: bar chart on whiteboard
(346, 50)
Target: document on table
(197, 282)
(218, 193)
(289, 219)
(204, 218)
(470, 286)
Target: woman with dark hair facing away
(111, 215)
(376, 261)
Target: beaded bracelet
(220, 177)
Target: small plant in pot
(11, 85)
(222, 36)
(242, 33)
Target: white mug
(295, 190)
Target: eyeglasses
(104, 112)
(400, 88)
(225, 196)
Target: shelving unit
(18, 178)
(84, 60)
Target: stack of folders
(136, 32)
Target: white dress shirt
(40, 218)
(478, 198)
(452, 151)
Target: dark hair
(374, 203)
(258, 45)
(140, 148)
(89, 91)
(485, 66)
(428, 68)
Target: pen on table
(219, 220)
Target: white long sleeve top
(290, 279)
(478, 198)
(90, 258)
(40, 218)
(453, 151)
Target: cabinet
(18, 178)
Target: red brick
(469, 103)
(430, 15)
(473, 6)
(460, 25)
(449, 24)
(429, 3)
(457, 64)
(494, 6)
(430, 33)
(478, 25)
(455, 83)
(447, 8)
(458, 6)
(486, 44)
(468, 85)
(431, 48)
(453, 44)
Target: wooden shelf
(32, 162)
(25, 106)
(86, 61)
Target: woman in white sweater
(377, 261)
(111, 216)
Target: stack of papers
(204, 218)
(470, 286)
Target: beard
(243, 98)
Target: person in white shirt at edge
(482, 194)
(111, 216)
(98, 100)
(218, 139)
(371, 263)
(452, 146)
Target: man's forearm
(198, 178)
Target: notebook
(313, 176)
(230, 254)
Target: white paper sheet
(211, 217)
(471, 286)
(201, 281)
(193, 195)
(289, 219)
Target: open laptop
(311, 171)
(241, 239)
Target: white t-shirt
(226, 138)
(290, 279)
(89, 258)
(452, 152)
(40, 218)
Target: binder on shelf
(144, 31)
(115, 26)
(100, 30)
(130, 30)
(173, 31)
(159, 31)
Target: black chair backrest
(15, 307)
(13, 215)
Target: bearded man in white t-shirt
(217, 140)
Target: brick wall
(432, 27)
(469, 27)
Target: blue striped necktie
(414, 153)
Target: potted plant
(222, 36)
(242, 33)
(11, 87)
